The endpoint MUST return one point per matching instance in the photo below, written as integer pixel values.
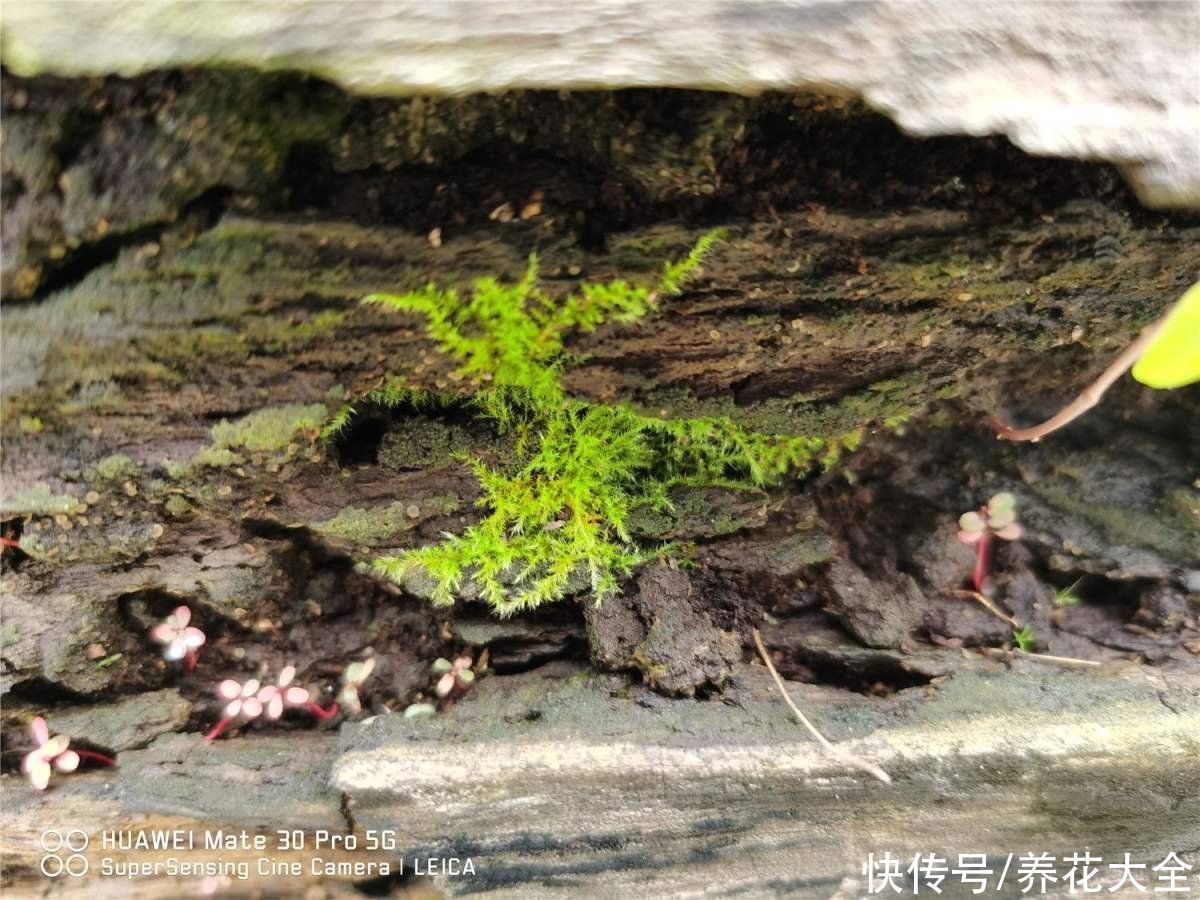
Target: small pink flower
(180, 638)
(243, 699)
(274, 697)
(50, 753)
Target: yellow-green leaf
(1173, 357)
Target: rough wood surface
(1088, 80)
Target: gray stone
(1087, 80)
(692, 795)
(126, 724)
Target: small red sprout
(53, 753)
(457, 674)
(180, 640)
(996, 518)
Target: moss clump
(272, 428)
(564, 507)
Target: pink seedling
(457, 674)
(996, 518)
(249, 700)
(243, 703)
(180, 640)
(53, 753)
(276, 697)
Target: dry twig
(988, 605)
(1092, 393)
(1060, 660)
(848, 758)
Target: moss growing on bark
(564, 507)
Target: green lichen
(38, 500)
(272, 428)
(423, 442)
(177, 506)
(370, 526)
(696, 511)
(213, 457)
(1164, 530)
(564, 507)
(117, 467)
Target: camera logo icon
(64, 853)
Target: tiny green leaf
(1002, 502)
(999, 519)
(1024, 638)
(972, 522)
(419, 710)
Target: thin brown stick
(1060, 660)
(1092, 393)
(829, 748)
(988, 605)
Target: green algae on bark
(38, 500)
(371, 526)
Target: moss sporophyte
(561, 509)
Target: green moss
(30, 424)
(564, 507)
(38, 500)
(889, 402)
(393, 393)
(272, 428)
